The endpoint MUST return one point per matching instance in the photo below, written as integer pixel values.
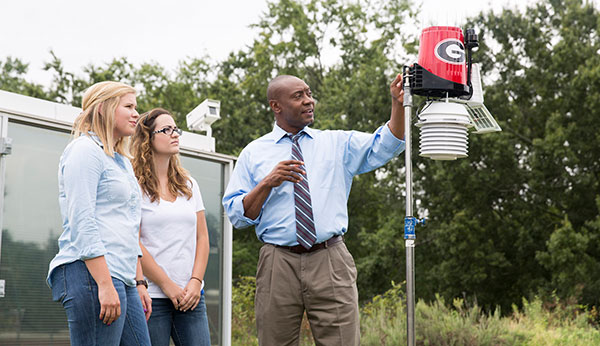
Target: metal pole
(409, 222)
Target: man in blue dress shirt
(295, 193)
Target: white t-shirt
(168, 231)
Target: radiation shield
(444, 131)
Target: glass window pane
(31, 227)
(209, 176)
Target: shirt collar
(278, 133)
(95, 138)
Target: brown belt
(301, 249)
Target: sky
(81, 32)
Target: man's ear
(275, 106)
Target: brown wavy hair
(105, 95)
(143, 163)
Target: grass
(383, 322)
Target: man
(293, 186)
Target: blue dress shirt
(331, 158)
(100, 204)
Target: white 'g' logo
(450, 51)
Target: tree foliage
(518, 217)
(12, 72)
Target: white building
(33, 134)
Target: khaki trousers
(322, 282)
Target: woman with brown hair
(173, 233)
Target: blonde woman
(173, 234)
(97, 268)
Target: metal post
(409, 223)
(4, 150)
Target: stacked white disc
(444, 131)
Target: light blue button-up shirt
(332, 159)
(99, 200)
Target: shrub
(383, 322)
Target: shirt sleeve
(365, 152)
(82, 169)
(139, 250)
(240, 184)
(197, 196)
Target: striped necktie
(305, 225)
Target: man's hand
(397, 89)
(288, 170)
(396, 123)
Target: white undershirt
(168, 231)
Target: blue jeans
(186, 328)
(74, 286)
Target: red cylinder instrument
(443, 67)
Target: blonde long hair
(105, 95)
(143, 163)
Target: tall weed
(383, 322)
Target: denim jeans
(186, 328)
(74, 286)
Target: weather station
(451, 84)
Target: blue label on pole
(409, 227)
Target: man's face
(294, 107)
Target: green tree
(531, 189)
(12, 78)
(351, 94)
(509, 221)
